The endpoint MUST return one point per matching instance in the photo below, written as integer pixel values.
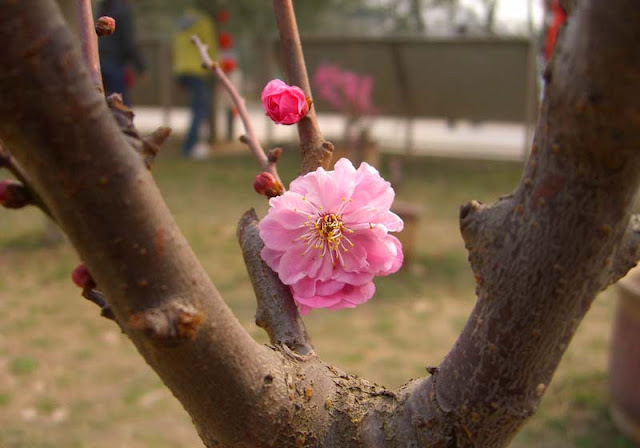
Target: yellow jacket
(186, 59)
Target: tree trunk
(539, 255)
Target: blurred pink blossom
(328, 236)
(283, 103)
(345, 90)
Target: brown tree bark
(540, 255)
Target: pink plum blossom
(283, 103)
(328, 236)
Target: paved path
(500, 141)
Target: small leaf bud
(14, 194)
(105, 26)
(82, 277)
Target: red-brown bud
(274, 155)
(105, 26)
(82, 277)
(267, 185)
(14, 194)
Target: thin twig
(316, 151)
(249, 138)
(89, 41)
(97, 297)
(7, 161)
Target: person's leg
(113, 79)
(201, 104)
(199, 109)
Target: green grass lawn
(68, 378)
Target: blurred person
(189, 73)
(119, 54)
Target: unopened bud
(14, 194)
(105, 26)
(82, 277)
(267, 185)
(274, 155)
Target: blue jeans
(200, 98)
(113, 80)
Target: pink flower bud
(267, 185)
(105, 26)
(14, 194)
(82, 277)
(284, 104)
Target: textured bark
(539, 255)
(277, 312)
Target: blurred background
(440, 95)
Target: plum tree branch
(89, 42)
(277, 312)
(316, 151)
(626, 254)
(9, 162)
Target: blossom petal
(328, 288)
(368, 216)
(275, 236)
(383, 250)
(358, 295)
(351, 296)
(306, 287)
(371, 189)
(317, 301)
(294, 266)
(304, 309)
(271, 257)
